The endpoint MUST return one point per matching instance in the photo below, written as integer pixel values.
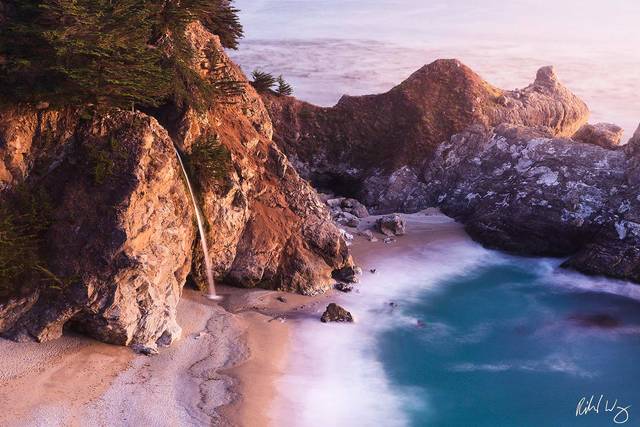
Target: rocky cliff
(523, 190)
(376, 147)
(520, 169)
(115, 237)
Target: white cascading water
(211, 294)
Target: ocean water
(473, 338)
(328, 48)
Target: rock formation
(335, 313)
(606, 135)
(525, 191)
(501, 162)
(375, 147)
(120, 235)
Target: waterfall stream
(211, 294)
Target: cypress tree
(284, 88)
(109, 53)
(262, 81)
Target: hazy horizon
(327, 48)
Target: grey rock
(524, 191)
(343, 287)
(355, 207)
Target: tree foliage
(284, 88)
(111, 53)
(262, 81)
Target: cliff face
(376, 147)
(501, 162)
(119, 236)
(525, 191)
(267, 226)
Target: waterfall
(211, 294)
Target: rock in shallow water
(335, 313)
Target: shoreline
(224, 369)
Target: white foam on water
(552, 275)
(334, 376)
(559, 363)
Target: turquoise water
(450, 334)
(504, 347)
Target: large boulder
(525, 191)
(375, 147)
(606, 135)
(117, 249)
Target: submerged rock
(335, 313)
(600, 320)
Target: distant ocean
(328, 48)
(475, 337)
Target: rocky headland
(522, 169)
(118, 239)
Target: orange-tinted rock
(606, 135)
(122, 234)
(375, 147)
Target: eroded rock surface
(268, 228)
(523, 190)
(606, 135)
(122, 240)
(119, 243)
(376, 147)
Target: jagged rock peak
(375, 147)
(546, 76)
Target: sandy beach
(222, 372)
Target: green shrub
(25, 216)
(209, 159)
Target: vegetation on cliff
(109, 53)
(266, 82)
